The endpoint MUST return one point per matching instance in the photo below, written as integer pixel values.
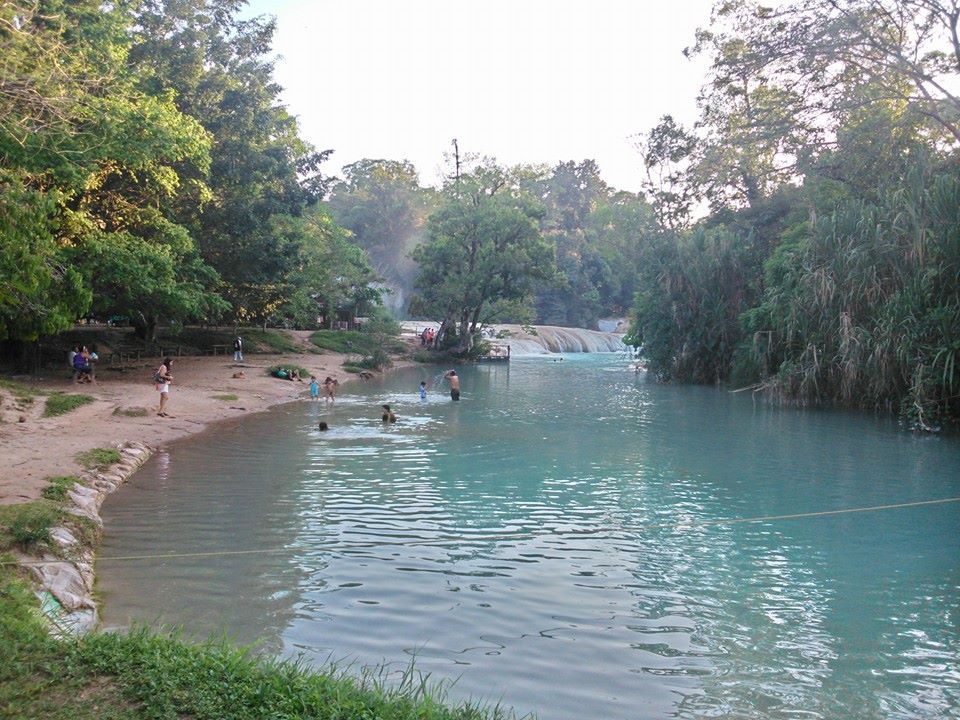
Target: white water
(548, 338)
(552, 339)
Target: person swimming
(388, 415)
(323, 426)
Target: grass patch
(98, 458)
(27, 525)
(342, 341)
(143, 674)
(226, 396)
(61, 403)
(276, 340)
(57, 489)
(20, 390)
(131, 412)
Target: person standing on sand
(238, 350)
(164, 378)
(454, 380)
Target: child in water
(388, 415)
(423, 390)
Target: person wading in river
(454, 381)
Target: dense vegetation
(827, 265)
(148, 170)
(802, 235)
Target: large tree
(89, 156)
(261, 170)
(484, 248)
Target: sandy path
(38, 448)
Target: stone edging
(66, 585)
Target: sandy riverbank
(38, 448)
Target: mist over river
(561, 541)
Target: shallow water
(547, 543)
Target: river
(568, 539)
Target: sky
(523, 81)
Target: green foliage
(484, 246)
(27, 525)
(98, 458)
(61, 403)
(385, 209)
(226, 397)
(57, 489)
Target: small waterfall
(553, 339)
(548, 338)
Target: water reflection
(540, 541)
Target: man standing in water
(454, 381)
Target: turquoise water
(548, 542)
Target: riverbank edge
(64, 582)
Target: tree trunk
(145, 325)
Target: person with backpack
(163, 377)
(238, 350)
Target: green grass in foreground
(226, 396)
(27, 525)
(60, 403)
(98, 458)
(141, 674)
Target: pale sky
(524, 81)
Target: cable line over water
(686, 524)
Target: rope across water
(706, 522)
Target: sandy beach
(34, 448)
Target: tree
(217, 66)
(484, 247)
(331, 272)
(91, 158)
(382, 204)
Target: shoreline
(63, 574)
